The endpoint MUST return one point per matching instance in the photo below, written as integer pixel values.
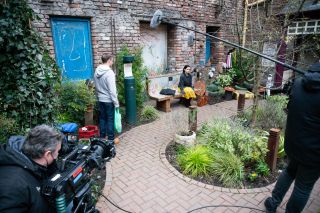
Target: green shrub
(270, 113)
(282, 100)
(8, 127)
(149, 113)
(228, 168)
(262, 168)
(213, 88)
(195, 161)
(28, 73)
(224, 80)
(74, 97)
(217, 134)
(230, 136)
(254, 147)
(203, 129)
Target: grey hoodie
(105, 82)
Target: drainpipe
(111, 30)
(114, 43)
(244, 33)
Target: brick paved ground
(139, 179)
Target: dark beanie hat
(314, 67)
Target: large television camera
(69, 189)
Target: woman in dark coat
(185, 85)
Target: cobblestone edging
(162, 155)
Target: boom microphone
(156, 19)
(190, 40)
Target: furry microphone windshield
(156, 19)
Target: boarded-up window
(154, 42)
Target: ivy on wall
(28, 73)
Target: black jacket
(302, 138)
(20, 180)
(185, 81)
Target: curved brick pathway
(139, 179)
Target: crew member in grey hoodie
(105, 83)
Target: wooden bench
(156, 83)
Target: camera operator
(24, 163)
(302, 144)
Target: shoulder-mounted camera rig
(69, 189)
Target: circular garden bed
(230, 154)
(260, 181)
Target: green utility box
(130, 98)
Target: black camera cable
(193, 210)
(230, 206)
(115, 204)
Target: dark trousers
(106, 120)
(186, 102)
(305, 178)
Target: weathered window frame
(304, 27)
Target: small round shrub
(195, 161)
(149, 113)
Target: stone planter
(186, 140)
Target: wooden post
(88, 116)
(241, 102)
(273, 145)
(193, 118)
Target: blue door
(72, 45)
(208, 48)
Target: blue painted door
(208, 48)
(72, 45)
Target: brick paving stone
(139, 178)
(242, 210)
(229, 210)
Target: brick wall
(128, 14)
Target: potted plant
(187, 138)
(228, 92)
(214, 93)
(182, 134)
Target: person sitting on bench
(185, 86)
